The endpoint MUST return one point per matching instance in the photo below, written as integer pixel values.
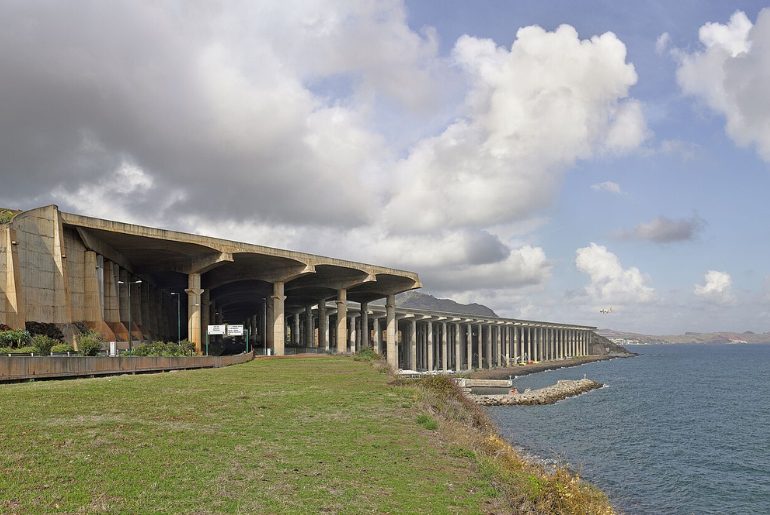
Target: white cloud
(610, 282)
(731, 75)
(532, 111)
(276, 123)
(661, 44)
(608, 186)
(716, 287)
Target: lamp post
(178, 318)
(129, 283)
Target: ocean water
(678, 429)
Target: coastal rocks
(548, 395)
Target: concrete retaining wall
(19, 368)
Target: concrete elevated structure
(116, 278)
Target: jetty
(548, 395)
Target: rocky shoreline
(548, 395)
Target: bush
(159, 348)
(15, 338)
(366, 354)
(19, 350)
(90, 343)
(50, 330)
(186, 347)
(43, 343)
(62, 348)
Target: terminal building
(135, 283)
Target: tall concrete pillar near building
(342, 320)
(365, 334)
(194, 328)
(323, 326)
(480, 346)
(205, 313)
(499, 345)
(429, 351)
(469, 346)
(309, 337)
(377, 335)
(279, 319)
(413, 344)
(352, 333)
(515, 334)
(390, 331)
(488, 342)
(295, 330)
(444, 348)
(458, 348)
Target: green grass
(296, 435)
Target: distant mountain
(688, 337)
(417, 300)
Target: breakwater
(548, 395)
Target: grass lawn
(299, 435)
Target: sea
(677, 429)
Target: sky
(549, 159)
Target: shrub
(50, 330)
(6, 215)
(19, 350)
(366, 354)
(14, 338)
(186, 347)
(62, 348)
(43, 343)
(90, 343)
(159, 348)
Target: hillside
(417, 300)
(688, 337)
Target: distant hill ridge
(690, 337)
(417, 300)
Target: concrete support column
(342, 320)
(377, 336)
(366, 336)
(205, 313)
(458, 348)
(390, 331)
(295, 330)
(279, 319)
(500, 345)
(430, 346)
(92, 298)
(323, 326)
(479, 346)
(352, 333)
(194, 328)
(444, 348)
(309, 336)
(469, 346)
(488, 342)
(515, 339)
(413, 344)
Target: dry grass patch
(470, 435)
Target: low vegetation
(312, 434)
(6, 215)
(183, 348)
(528, 487)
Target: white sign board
(216, 329)
(234, 330)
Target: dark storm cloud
(87, 88)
